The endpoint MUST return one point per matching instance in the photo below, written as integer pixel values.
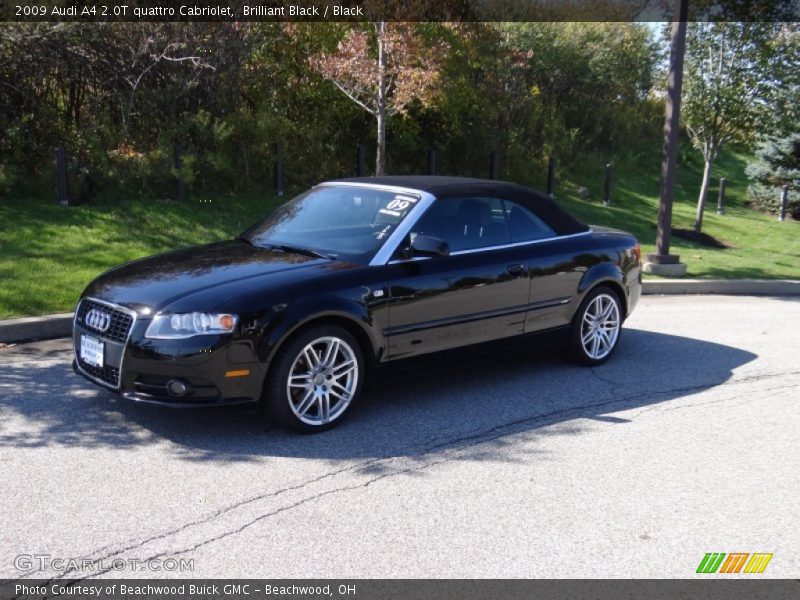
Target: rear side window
(524, 225)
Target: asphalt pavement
(685, 443)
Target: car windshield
(347, 222)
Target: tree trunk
(380, 113)
(669, 153)
(701, 200)
(380, 158)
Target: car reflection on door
(444, 302)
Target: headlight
(173, 327)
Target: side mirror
(426, 245)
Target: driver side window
(465, 223)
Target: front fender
(354, 312)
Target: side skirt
(550, 340)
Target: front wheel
(316, 379)
(596, 328)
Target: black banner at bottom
(397, 589)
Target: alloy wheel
(322, 381)
(600, 326)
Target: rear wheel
(316, 379)
(596, 327)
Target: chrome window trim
(373, 186)
(124, 309)
(516, 244)
(384, 254)
(389, 246)
(501, 246)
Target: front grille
(106, 373)
(119, 327)
(117, 323)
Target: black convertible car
(298, 310)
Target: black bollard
(493, 165)
(784, 201)
(607, 188)
(431, 161)
(721, 197)
(62, 194)
(551, 177)
(179, 171)
(361, 163)
(279, 168)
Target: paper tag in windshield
(398, 206)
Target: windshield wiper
(300, 250)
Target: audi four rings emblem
(97, 319)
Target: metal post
(493, 166)
(721, 197)
(607, 189)
(279, 168)
(551, 177)
(784, 201)
(179, 171)
(361, 164)
(62, 194)
(431, 161)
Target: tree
(580, 85)
(383, 68)
(776, 163)
(727, 85)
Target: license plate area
(92, 351)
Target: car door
(478, 293)
(552, 263)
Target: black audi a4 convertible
(302, 307)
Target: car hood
(157, 281)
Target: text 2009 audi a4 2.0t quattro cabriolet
(353, 273)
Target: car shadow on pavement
(458, 404)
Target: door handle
(515, 269)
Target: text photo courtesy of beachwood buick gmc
(354, 273)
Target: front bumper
(214, 369)
(159, 394)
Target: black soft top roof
(442, 187)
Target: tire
(315, 379)
(596, 327)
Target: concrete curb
(60, 325)
(737, 287)
(36, 328)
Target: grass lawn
(48, 253)
(759, 246)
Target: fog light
(176, 387)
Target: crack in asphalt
(611, 382)
(211, 516)
(452, 447)
(761, 393)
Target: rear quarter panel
(619, 267)
(563, 271)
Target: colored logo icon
(734, 562)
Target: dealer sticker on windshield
(399, 205)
